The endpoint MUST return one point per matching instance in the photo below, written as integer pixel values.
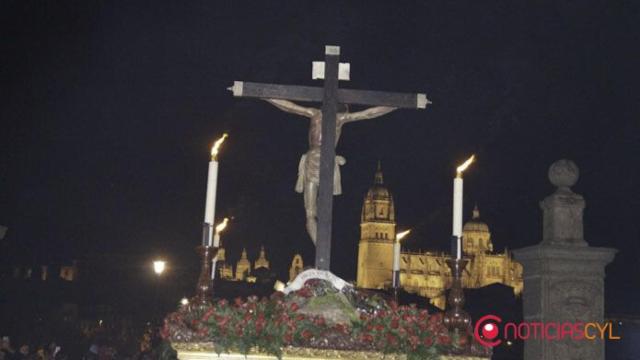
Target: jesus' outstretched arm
(369, 113)
(292, 107)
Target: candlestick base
(204, 287)
(455, 317)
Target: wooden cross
(330, 96)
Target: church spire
(379, 179)
(476, 212)
(262, 260)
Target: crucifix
(318, 176)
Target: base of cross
(317, 316)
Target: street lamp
(159, 266)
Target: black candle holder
(455, 317)
(204, 287)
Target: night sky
(109, 109)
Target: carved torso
(315, 128)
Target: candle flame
(400, 236)
(222, 225)
(465, 165)
(216, 146)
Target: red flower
(208, 314)
(435, 319)
(288, 338)
(463, 340)
(391, 339)
(428, 341)
(443, 340)
(304, 292)
(237, 301)
(222, 321)
(299, 317)
(395, 323)
(319, 321)
(306, 334)
(414, 341)
(366, 337)
(294, 307)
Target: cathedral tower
(262, 261)
(377, 233)
(243, 267)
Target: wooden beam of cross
(330, 96)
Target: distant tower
(262, 261)
(224, 269)
(377, 233)
(243, 267)
(296, 267)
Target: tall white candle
(216, 240)
(216, 244)
(219, 228)
(213, 267)
(396, 256)
(457, 205)
(212, 185)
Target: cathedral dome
(475, 224)
(378, 191)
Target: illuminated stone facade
(262, 261)
(243, 268)
(426, 273)
(296, 267)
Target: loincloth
(309, 171)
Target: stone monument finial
(562, 210)
(564, 173)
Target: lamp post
(159, 267)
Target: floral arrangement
(363, 323)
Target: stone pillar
(563, 275)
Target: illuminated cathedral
(244, 271)
(426, 273)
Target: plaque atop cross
(318, 171)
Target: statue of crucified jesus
(309, 166)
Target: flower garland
(271, 324)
